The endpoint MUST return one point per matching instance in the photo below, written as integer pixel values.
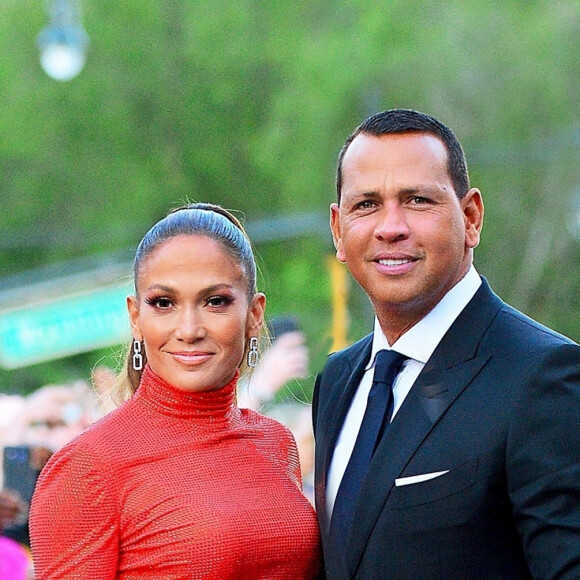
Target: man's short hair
(395, 121)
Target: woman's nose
(190, 326)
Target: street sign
(65, 326)
(79, 320)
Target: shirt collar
(421, 340)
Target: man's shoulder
(510, 322)
(349, 355)
(528, 330)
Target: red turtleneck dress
(175, 485)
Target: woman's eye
(218, 301)
(162, 303)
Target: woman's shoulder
(99, 441)
(252, 417)
(265, 424)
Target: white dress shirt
(418, 343)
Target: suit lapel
(356, 363)
(345, 381)
(449, 371)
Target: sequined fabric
(175, 485)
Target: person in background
(179, 482)
(55, 414)
(15, 561)
(32, 428)
(297, 416)
(286, 358)
(448, 441)
(11, 409)
(11, 508)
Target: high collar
(206, 407)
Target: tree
(247, 104)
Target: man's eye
(367, 204)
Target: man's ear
(335, 229)
(134, 318)
(472, 207)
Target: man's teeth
(393, 262)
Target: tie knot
(388, 363)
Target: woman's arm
(74, 518)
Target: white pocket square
(418, 478)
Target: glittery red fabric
(175, 485)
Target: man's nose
(391, 222)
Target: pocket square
(419, 478)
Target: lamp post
(63, 42)
(575, 216)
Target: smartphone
(20, 473)
(282, 324)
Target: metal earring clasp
(253, 354)
(137, 356)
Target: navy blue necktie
(377, 415)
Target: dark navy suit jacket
(498, 407)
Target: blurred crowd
(33, 427)
(286, 360)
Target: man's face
(400, 227)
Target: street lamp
(576, 222)
(574, 215)
(63, 42)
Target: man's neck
(395, 320)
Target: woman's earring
(253, 354)
(137, 356)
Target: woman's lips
(191, 358)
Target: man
(477, 472)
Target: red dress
(175, 485)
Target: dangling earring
(137, 356)
(253, 354)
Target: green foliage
(247, 103)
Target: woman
(178, 482)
